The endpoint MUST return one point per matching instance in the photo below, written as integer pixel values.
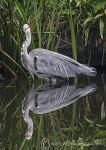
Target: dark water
(58, 117)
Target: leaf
(20, 10)
(98, 6)
(14, 39)
(78, 3)
(98, 16)
(89, 19)
(86, 33)
(102, 111)
(10, 58)
(101, 27)
(90, 118)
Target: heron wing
(55, 64)
(52, 63)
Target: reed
(46, 19)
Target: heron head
(26, 28)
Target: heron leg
(31, 73)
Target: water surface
(70, 116)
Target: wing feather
(52, 63)
(55, 64)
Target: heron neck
(28, 39)
(25, 51)
(27, 43)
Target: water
(59, 117)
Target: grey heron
(49, 64)
(46, 99)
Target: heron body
(48, 64)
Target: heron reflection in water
(46, 99)
(50, 65)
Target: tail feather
(86, 70)
(74, 68)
